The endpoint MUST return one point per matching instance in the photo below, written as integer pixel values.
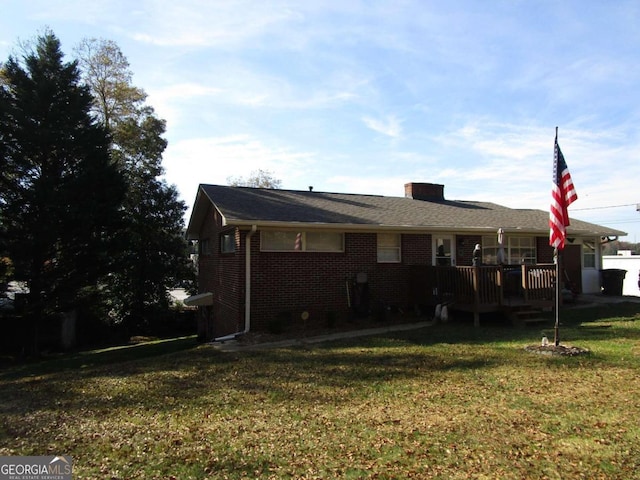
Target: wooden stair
(522, 315)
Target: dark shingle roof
(245, 206)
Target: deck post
(524, 282)
(476, 296)
(556, 334)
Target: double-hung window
(227, 242)
(589, 254)
(389, 250)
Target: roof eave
(361, 227)
(199, 212)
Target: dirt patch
(566, 350)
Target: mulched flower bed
(566, 350)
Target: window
(274, 241)
(490, 250)
(228, 242)
(517, 250)
(388, 247)
(204, 246)
(324, 242)
(443, 247)
(522, 250)
(278, 241)
(588, 254)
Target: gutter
(448, 229)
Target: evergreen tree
(60, 194)
(153, 253)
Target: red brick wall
(221, 275)
(464, 248)
(284, 284)
(424, 191)
(544, 250)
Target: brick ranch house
(269, 255)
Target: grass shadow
(96, 358)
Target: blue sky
(365, 96)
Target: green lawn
(448, 401)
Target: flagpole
(563, 194)
(556, 257)
(556, 333)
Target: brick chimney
(424, 191)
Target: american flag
(563, 194)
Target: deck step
(525, 315)
(534, 320)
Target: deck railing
(538, 283)
(486, 287)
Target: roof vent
(311, 188)
(424, 191)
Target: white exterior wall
(630, 263)
(591, 275)
(590, 280)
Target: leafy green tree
(153, 254)
(612, 248)
(257, 179)
(60, 194)
(106, 72)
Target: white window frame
(527, 259)
(313, 242)
(269, 241)
(589, 251)
(389, 247)
(228, 242)
(490, 248)
(296, 241)
(438, 240)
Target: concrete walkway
(583, 301)
(588, 300)
(236, 346)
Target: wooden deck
(491, 288)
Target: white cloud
(515, 162)
(392, 186)
(389, 126)
(213, 160)
(207, 23)
(456, 93)
(186, 91)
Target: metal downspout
(247, 279)
(247, 288)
